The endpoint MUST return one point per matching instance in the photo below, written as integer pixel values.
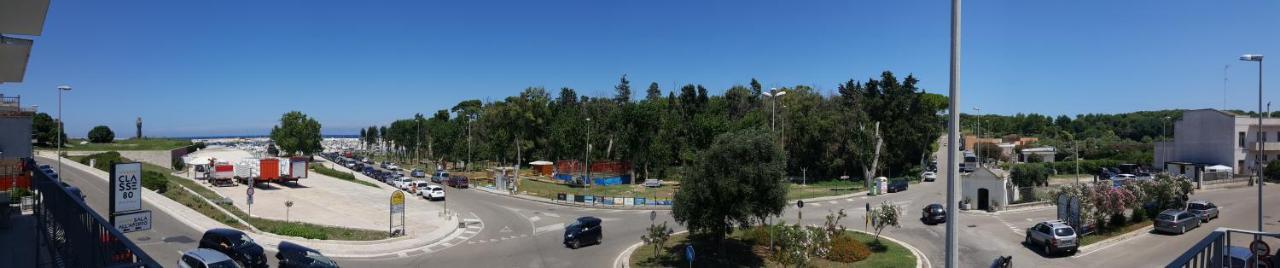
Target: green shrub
(758, 235)
(846, 249)
(103, 161)
(299, 230)
(1117, 221)
(1139, 215)
(155, 181)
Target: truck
(223, 174)
(296, 168)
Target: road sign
(1259, 248)
(800, 203)
(688, 254)
(249, 191)
(133, 221)
(126, 187)
(250, 200)
(397, 202)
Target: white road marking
(548, 228)
(817, 204)
(535, 218)
(551, 214)
(849, 200)
(862, 197)
(505, 229)
(469, 232)
(833, 202)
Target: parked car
(432, 192)
(582, 231)
(206, 258)
(403, 183)
(897, 186)
(440, 176)
(1052, 236)
(459, 182)
(418, 173)
(292, 255)
(1204, 209)
(933, 214)
(652, 183)
(235, 244)
(1176, 221)
(929, 176)
(392, 166)
(1123, 177)
(418, 186)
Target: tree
(736, 181)
(653, 93)
(624, 90)
(1026, 175)
(101, 134)
(45, 129)
(1272, 171)
(297, 133)
(657, 237)
(885, 215)
(989, 150)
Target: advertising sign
(126, 187)
(133, 221)
(397, 202)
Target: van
(582, 231)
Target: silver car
(1205, 209)
(1053, 236)
(1176, 221)
(203, 257)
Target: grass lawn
(340, 175)
(541, 188)
(740, 253)
(824, 188)
(1103, 235)
(127, 145)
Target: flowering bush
(1099, 202)
(796, 244)
(846, 249)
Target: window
(1262, 135)
(1241, 134)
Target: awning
(541, 163)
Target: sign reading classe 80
(126, 187)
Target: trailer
(297, 169)
(223, 174)
(268, 169)
(246, 171)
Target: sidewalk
(567, 204)
(415, 241)
(18, 241)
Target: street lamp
(773, 95)
(60, 123)
(953, 133)
(1258, 58)
(587, 157)
(977, 133)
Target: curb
(567, 204)
(921, 260)
(624, 259)
(1116, 239)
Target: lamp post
(1258, 58)
(586, 171)
(773, 95)
(59, 134)
(953, 129)
(1164, 126)
(977, 134)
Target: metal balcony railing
(1218, 250)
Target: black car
(933, 214)
(583, 231)
(235, 244)
(294, 255)
(897, 186)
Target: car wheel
(1184, 229)
(1027, 240)
(1046, 249)
(576, 244)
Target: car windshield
(573, 227)
(320, 260)
(224, 264)
(1064, 232)
(1165, 217)
(1196, 206)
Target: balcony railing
(1270, 146)
(1218, 250)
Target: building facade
(1213, 137)
(15, 128)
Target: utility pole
(953, 137)
(1258, 58)
(60, 131)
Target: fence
(74, 235)
(1030, 194)
(595, 200)
(1218, 250)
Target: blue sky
(232, 67)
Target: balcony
(1218, 250)
(1269, 145)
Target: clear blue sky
(232, 67)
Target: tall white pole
(1261, 146)
(953, 134)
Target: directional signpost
(126, 198)
(249, 196)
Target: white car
(393, 167)
(929, 176)
(203, 257)
(432, 192)
(417, 186)
(403, 183)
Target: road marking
(862, 197)
(550, 214)
(548, 228)
(469, 232)
(403, 254)
(471, 220)
(849, 200)
(534, 218)
(446, 244)
(833, 202)
(817, 204)
(505, 229)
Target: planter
(964, 206)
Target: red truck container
(223, 173)
(268, 169)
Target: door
(982, 198)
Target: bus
(970, 162)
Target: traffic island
(740, 249)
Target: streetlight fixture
(1258, 58)
(587, 157)
(60, 123)
(773, 95)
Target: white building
(986, 188)
(1209, 137)
(1043, 154)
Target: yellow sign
(397, 198)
